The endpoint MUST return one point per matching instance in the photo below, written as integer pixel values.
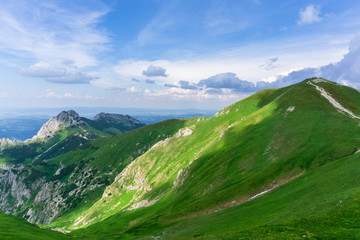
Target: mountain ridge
(264, 158)
(26, 178)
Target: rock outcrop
(65, 119)
(5, 142)
(110, 117)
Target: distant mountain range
(280, 164)
(22, 124)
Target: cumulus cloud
(55, 74)
(309, 15)
(227, 80)
(155, 71)
(186, 85)
(346, 71)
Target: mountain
(31, 182)
(280, 164)
(63, 133)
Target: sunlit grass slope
(14, 228)
(257, 144)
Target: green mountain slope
(251, 147)
(35, 187)
(16, 228)
(280, 164)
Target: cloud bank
(55, 74)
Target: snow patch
(290, 109)
(261, 193)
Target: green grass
(255, 144)
(192, 181)
(12, 228)
(322, 204)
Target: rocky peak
(110, 117)
(69, 118)
(5, 142)
(65, 118)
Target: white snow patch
(261, 193)
(290, 109)
(333, 101)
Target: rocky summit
(34, 187)
(109, 117)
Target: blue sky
(170, 54)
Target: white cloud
(194, 94)
(345, 71)
(309, 15)
(244, 62)
(54, 74)
(52, 94)
(46, 32)
(155, 71)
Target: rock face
(39, 191)
(69, 118)
(110, 117)
(5, 142)
(122, 122)
(65, 119)
(40, 200)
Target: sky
(172, 54)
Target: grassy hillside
(280, 164)
(255, 145)
(12, 227)
(75, 179)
